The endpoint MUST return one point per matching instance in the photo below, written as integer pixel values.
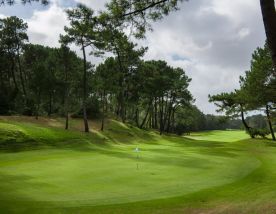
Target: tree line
(106, 33)
(37, 80)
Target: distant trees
(37, 80)
(152, 92)
(33, 78)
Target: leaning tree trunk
(84, 101)
(269, 18)
(246, 126)
(269, 123)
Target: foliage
(253, 132)
(257, 92)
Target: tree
(12, 39)
(70, 69)
(35, 59)
(83, 33)
(233, 104)
(258, 84)
(161, 90)
(136, 14)
(107, 84)
(269, 17)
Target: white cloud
(218, 37)
(244, 32)
(46, 26)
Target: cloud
(243, 33)
(211, 39)
(217, 36)
(46, 26)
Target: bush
(253, 132)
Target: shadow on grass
(17, 137)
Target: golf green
(44, 168)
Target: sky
(212, 40)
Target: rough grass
(44, 169)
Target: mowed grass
(219, 135)
(44, 169)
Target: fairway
(219, 135)
(45, 169)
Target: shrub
(253, 132)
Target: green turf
(47, 170)
(219, 135)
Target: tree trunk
(103, 109)
(269, 17)
(50, 104)
(145, 118)
(173, 118)
(161, 116)
(269, 123)
(13, 73)
(66, 109)
(38, 104)
(66, 97)
(121, 83)
(165, 115)
(137, 117)
(85, 120)
(67, 120)
(169, 120)
(155, 113)
(244, 122)
(21, 75)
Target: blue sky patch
(177, 57)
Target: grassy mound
(44, 169)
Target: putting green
(59, 170)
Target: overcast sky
(211, 39)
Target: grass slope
(44, 169)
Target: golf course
(45, 169)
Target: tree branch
(145, 8)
